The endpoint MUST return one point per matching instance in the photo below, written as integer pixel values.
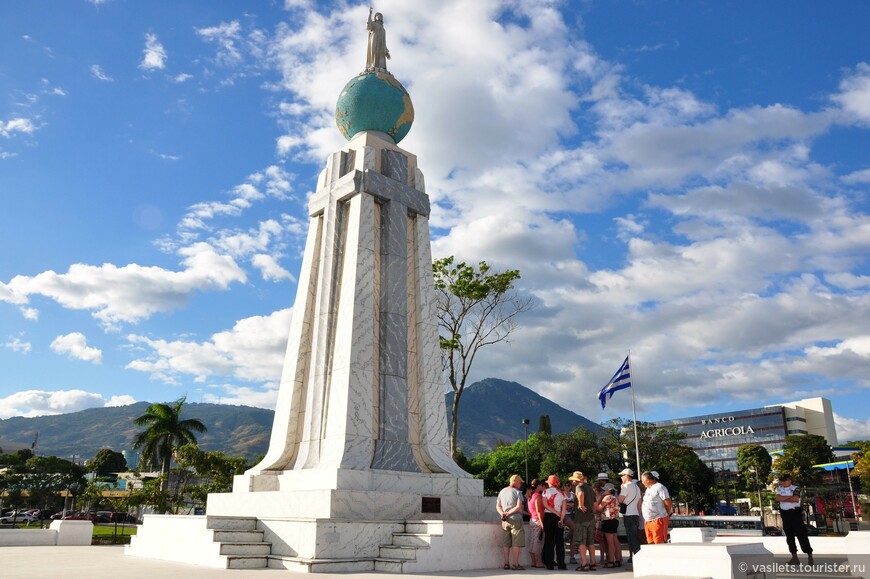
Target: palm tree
(165, 431)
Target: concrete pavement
(110, 562)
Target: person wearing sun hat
(657, 508)
(510, 506)
(584, 521)
(554, 518)
(608, 506)
(629, 497)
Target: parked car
(123, 518)
(41, 513)
(81, 516)
(19, 519)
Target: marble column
(362, 386)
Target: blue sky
(685, 180)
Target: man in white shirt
(657, 508)
(789, 497)
(629, 497)
(510, 506)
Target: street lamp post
(526, 445)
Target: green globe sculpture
(374, 101)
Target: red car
(81, 517)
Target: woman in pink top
(536, 525)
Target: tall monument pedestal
(358, 475)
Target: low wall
(62, 533)
(27, 537)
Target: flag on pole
(620, 380)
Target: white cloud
(854, 95)
(226, 35)
(252, 350)
(857, 177)
(130, 293)
(270, 269)
(30, 403)
(154, 55)
(123, 400)
(265, 397)
(97, 73)
(17, 345)
(75, 345)
(17, 125)
(849, 429)
(183, 77)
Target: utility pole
(526, 446)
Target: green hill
(491, 410)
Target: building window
(795, 418)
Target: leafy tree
(165, 431)
(47, 476)
(562, 454)
(544, 425)
(655, 444)
(862, 465)
(107, 461)
(476, 307)
(496, 467)
(153, 492)
(211, 472)
(17, 458)
(687, 477)
(754, 463)
(799, 454)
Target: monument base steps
(320, 546)
(222, 542)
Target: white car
(19, 519)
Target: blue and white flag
(620, 380)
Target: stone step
(425, 527)
(236, 562)
(397, 552)
(303, 565)
(412, 540)
(231, 523)
(389, 565)
(237, 536)
(246, 549)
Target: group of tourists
(586, 513)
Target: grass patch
(103, 531)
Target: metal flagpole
(634, 415)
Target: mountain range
(491, 411)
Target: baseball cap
(553, 480)
(603, 476)
(655, 474)
(516, 478)
(609, 487)
(627, 471)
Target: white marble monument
(358, 474)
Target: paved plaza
(110, 562)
